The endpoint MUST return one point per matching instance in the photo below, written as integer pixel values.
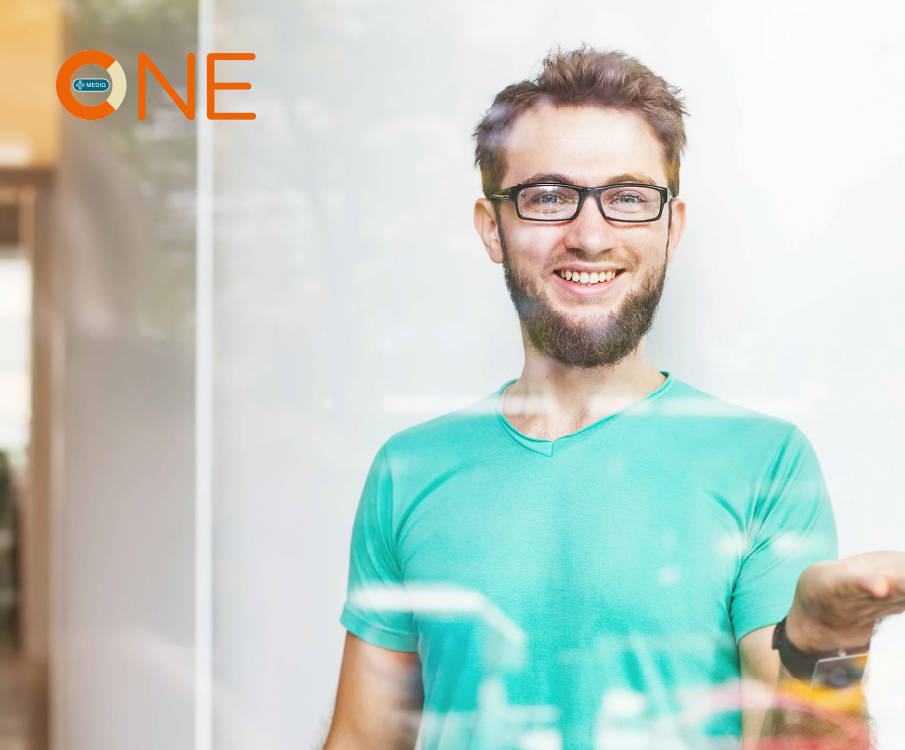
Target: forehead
(590, 144)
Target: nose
(589, 232)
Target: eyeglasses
(553, 201)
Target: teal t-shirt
(585, 592)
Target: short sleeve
(375, 603)
(792, 527)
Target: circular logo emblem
(116, 88)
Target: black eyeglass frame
(511, 194)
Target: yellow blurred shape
(29, 58)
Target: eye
(626, 198)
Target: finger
(877, 586)
(856, 614)
(876, 613)
(885, 587)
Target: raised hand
(838, 602)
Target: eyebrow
(556, 177)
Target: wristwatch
(834, 669)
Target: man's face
(582, 325)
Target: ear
(676, 227)
(486, 224)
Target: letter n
(188, 108)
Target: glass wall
(123, 595)
(354, 299)
(239, 314)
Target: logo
(91, 84)
(115, 88)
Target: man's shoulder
(722, 415)
(458, 431)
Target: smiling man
(596, 554)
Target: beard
(598, 343)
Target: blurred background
(207, 329)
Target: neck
(551, 399)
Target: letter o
(117, 84)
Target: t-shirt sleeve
(792, 527)
(375, 607)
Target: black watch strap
(837, 668)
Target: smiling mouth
(588, 278)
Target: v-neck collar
(545, 447)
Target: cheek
(533, 244)
(650, 247)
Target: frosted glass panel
(353, 297)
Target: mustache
(579, 261)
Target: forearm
(803, 717)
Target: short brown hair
(584, 77)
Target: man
(596, 553)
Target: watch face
(839, 671)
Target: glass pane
(631, 202)
(548, 201)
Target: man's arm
(837, 604)
(379, 699)
(760, 670)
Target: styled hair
(584, 77)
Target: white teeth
(583, 277)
